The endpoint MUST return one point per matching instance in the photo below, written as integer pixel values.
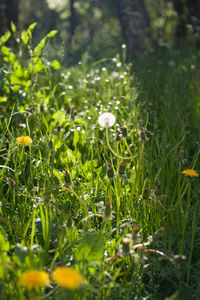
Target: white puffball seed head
(106, 120)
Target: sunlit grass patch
(103, 186)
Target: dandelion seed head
(106, 120)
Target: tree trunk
(194, 17)
(72, 20)
(181, 10)
(3, 20)
(12, 11)
(194, 8)
(134, 22)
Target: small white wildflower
(115, 74)
(124, 46)
(171, 63)
(106, 120)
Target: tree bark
(3, 20)
(194, 17)
(194, 8)
(12, 11)
(72, 20)
(134, 22)
(180, 8)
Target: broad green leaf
(4, 258)
(76, 138)
(14, 79)
(18, 70)
(13, 27)
(59, 175)
(38, 67)
(5, 50)
(12, 57)
(26, 74)
(32, 26)
(68, 157)
(25, 37)
(38, 49)
(90, 249)
(59, 117)
(5, 38)
(55, 64)
(52, 33)
(16, 88)
(3, 99)
(30, 29)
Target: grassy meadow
(90, 211)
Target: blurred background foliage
(96, 29)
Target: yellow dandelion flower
(33, 279)
(67, 277)
(190, 173)
(24, 140)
